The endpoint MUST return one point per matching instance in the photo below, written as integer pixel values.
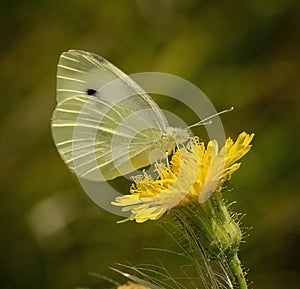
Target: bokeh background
(244, 54)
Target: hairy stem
(236, 269)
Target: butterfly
(105, 125)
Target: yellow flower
(195, 171)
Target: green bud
(213, 232)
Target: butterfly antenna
(208, 120)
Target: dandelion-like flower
(195, 171)
(190, 188)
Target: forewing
(80, 72)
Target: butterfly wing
(81, 72)
(104, 125)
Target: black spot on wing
(91, 91)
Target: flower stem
(215, 232)
(236, 269)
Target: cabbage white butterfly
(104, 124)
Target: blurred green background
(240, 53)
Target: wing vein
(70, 78)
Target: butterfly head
(179, 135)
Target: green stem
(236, 269)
